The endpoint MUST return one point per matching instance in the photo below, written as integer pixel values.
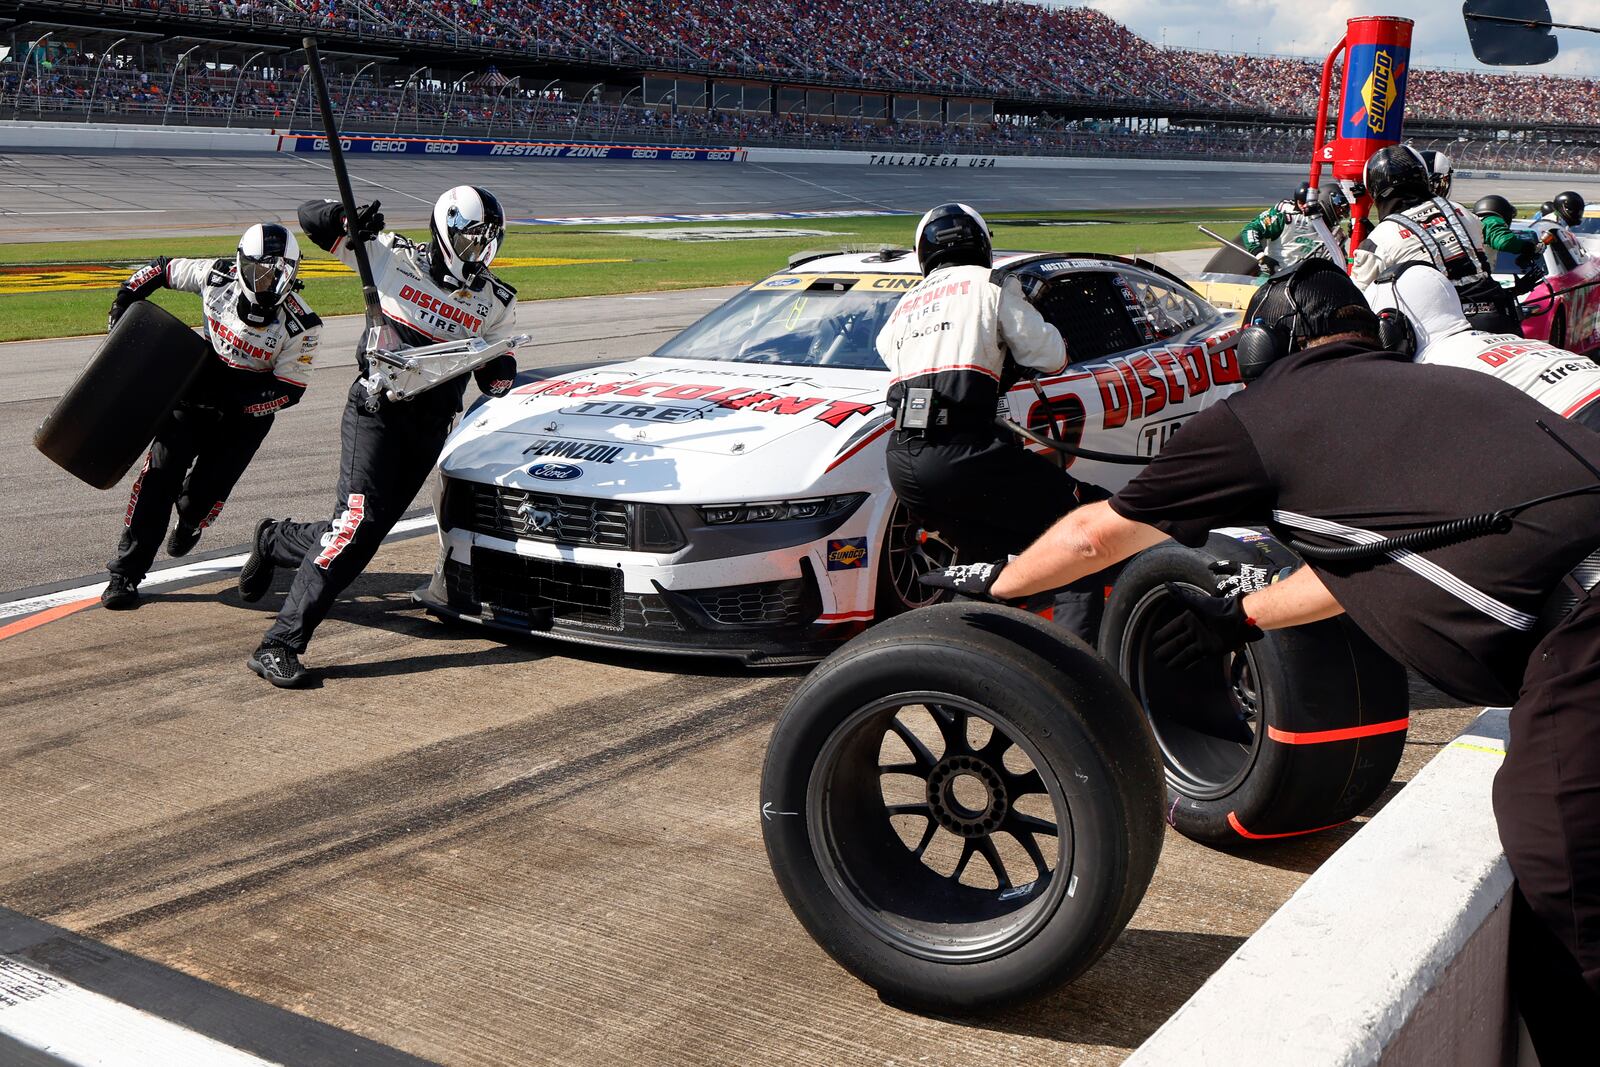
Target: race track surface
(485, 853)
(53, 527)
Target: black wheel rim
(915, 550)
(939, 827)
(1206, 720)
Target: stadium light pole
(594, 90)
(233, 101)
(541, 101)
(344, 112)
(94, 86)
(32, 48)
(400, 105)
(618, 120)
(450, 98)
(172, 85)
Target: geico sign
(388, 146)
(719, 155)
(446, 148)
(321, 144)
(682, 154)
(645, 153)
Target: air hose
(1071, 450)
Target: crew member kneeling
(1338, 442)
(263, 336)
(947, 346)
(441, 291)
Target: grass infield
(646, 264)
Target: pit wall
(80, 136)
(1393, 954)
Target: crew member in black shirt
(1338, 442)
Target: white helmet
(468, 225)
(266, 262)
(1441, 170)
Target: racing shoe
(278, 664)
(182, 539)
(121, 593)
(255, 577)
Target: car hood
(713, 424)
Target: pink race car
(1564, 308)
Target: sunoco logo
(1379, 91)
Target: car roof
(903, 261)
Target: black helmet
(1569, 207)
(1498, 206)
(953, 235)
(1548, 209)
(1335, 205)
(1311, 300)
(1396, 178)
(1441, 169)
(1302, 194)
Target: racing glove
(119, 306)
(496, 377)
(369, 222)
(1206, 626)
(967, 579)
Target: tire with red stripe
(1300, 732)
(106, 419)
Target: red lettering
(839, 410)
(640, 388)
(1113, 397)
(726, 394)
(1142, 365)
(789, 405)
(407, 293)
(1225, 367)
(687, 392)
(1135, 394)
(593, 389)
(745, 401)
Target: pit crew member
(1417, 226)
(1336, 441)
(439, 291)
(1568, 208)
(1282, 235)
(1422, 317)
(948, 345)
(1441, 171)
(1496, 213)
(264, 337)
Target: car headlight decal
(779, 510)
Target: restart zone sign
(421, 146)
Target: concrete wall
(1391, 954)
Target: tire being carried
(1300, 732)
(963, 806)
(109, 415)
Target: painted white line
(95, 211)
(68, 1024)
(181, 573)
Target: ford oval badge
(555, 472)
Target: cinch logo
(388, 146)
(444, 148)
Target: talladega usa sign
(450, 146)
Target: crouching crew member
(1414, 444)
(1496, 213)
(948, 344)
(263, 336)
(441, 291)
(1416, 226)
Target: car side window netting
(1090, 310)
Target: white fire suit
(1446, 235)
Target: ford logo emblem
(555, 472)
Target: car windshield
(801, 320)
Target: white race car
(727, 495)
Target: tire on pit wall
(108, 416)
(963, 806)
(1299, 733)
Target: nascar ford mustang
(727, 495)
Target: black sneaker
(279, 665)
(255, 577)
(121, 593)
(182, 539)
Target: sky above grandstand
(1439, 40)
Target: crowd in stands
(495, 106)
(1006, 48)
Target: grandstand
(936, 75)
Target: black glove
(968, 579)
(496, 377)
(1206, 626)
(119, 305)
(369, 222)
(1270, 265)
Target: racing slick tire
(1558, 329)
(1298, 733)
(1227, 260)
(108, 416)
(963, 806)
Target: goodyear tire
(1300, 732)
(963, 806)
(109, 415)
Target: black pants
(1547, 803)
(196, 459)
(385, 457)
(992, 498)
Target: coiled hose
(1453, 532)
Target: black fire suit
(385, 454)
(202, 450)
(954, 334)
